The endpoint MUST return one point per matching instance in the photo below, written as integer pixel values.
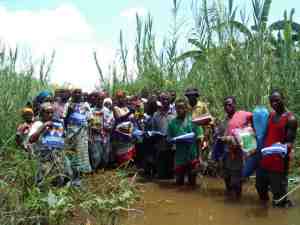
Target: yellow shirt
(198, 110)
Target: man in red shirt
(274, 166)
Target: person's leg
(279, 188)
(105, 154)
(75, 167)
(140, 152)
(59, 168)
(162, 164)
(180, 178)
(82, 146)
(262, 184)
(67, 168)
(227, 181)
(193, 170)
(192, 178)
(95, 153)
(170, 164)
(236, 183)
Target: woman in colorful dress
(95, 131)
(122, 136)
(76, 123)
(47, 139)
(186, 154)
(108, 125)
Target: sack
(155, 134)
(53, 138)
(123, 132)
(260, 124)
(240, 119)
(138, 135)
(202, 120)
(250, 165)
(125, 127)
(218, 150)
(188, 138)
(247, 140)
(77, 118)
(275, 149)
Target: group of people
(71, 133)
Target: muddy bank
(165, 204)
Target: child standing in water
(186, 154)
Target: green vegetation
(17, 87)
(234, 51)
(102, 198)
(21, 202)
(227, 57)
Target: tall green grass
(228, 55)
(17, 87)
(21, 201)
(233, 51)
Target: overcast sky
(77, 27)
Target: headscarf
(120, 94)
(42, 95)
(26, 110)
(107, 100)
(192, 91)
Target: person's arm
(291, 131)
(250, 119)
(36, 133)
(19, 132)
(170, 135)
(199, 132)
(18, 139)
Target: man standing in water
(274, 164)
(233, 157)
(165, 155)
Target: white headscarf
(107, 100)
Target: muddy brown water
(165, 204)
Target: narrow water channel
(165, 204)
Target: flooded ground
(165, 204)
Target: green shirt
(185, 153)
